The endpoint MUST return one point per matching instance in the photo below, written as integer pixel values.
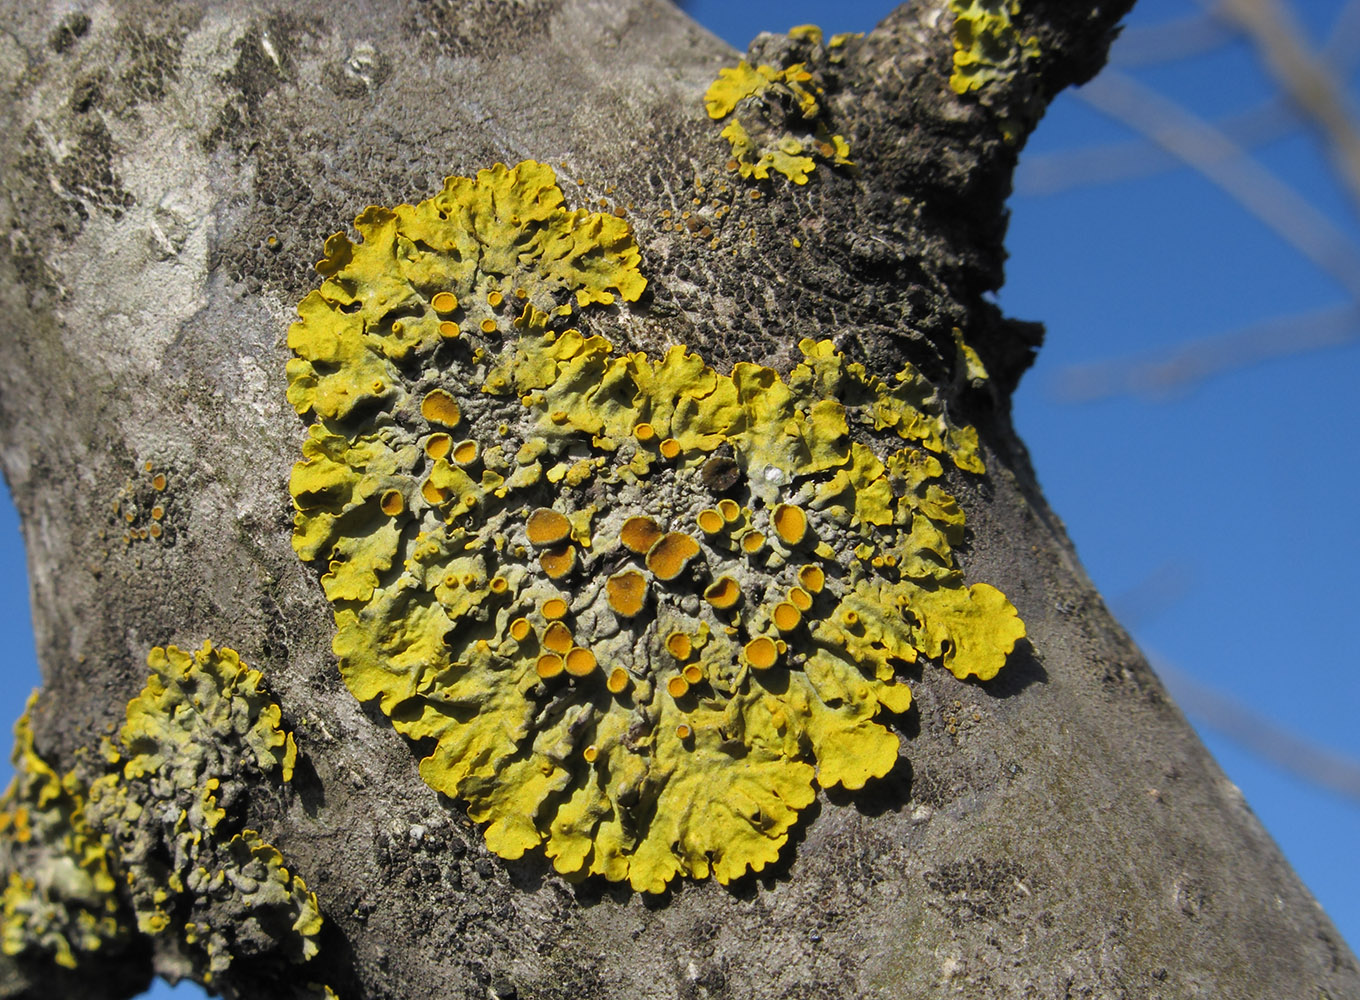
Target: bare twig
(1051, 173)
(1342, 49)
(1200, 359)
(1305, 78)
(1325, 768)
(1191, 35)
(1206, 149)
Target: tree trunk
(172, 171)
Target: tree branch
(171, 172)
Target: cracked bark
(171, 170)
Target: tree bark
(172, 171)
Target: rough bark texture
(171, 170)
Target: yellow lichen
(790, 522)
(670, 554)
(987, 45)
(557, 637)
(786, 616)
(640, 533)
(723, 593)
(59, 896)
(761, 653)
(157, 822)
(710, 521)
(778, 118)
(547, 527)
(661, 764)
(558, 561)
(989, 50)
(580, 662)
(678, 644)
(202, 714)
(465, 452)
(441, 408)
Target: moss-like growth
(162, 820)
(528, 616)
(777, 117)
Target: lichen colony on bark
(627, 449)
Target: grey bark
(171, 170)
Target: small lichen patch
(777, 118)
(59, 896)
(640, 533)
(154, 841)
(202, 718)
(988, 50)
(715, 658)
(627, 592)
(144, 509)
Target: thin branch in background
(1163, 588)
(1311, 90)
(1052, 173)
(1226, 715)
(1184, 367)
(1304, 78)
(1201, 146)
(1182, 38)
(1335, 772)
(1312, 94)
(1342, 48)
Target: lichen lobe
(658, 606)
(777, 118)
(988, 47)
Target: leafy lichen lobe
(988, 47)
(640, 609)
(777, 117)
(59, 896)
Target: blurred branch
(1220, 160)
(1199, 359)
(1179, 39)
(1342, 49)
(1163, 588)
(1328, 769)
(1312, 92)
(1272, 119)
(1304, 78)
(1051, 173)
(1215, 155)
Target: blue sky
(1218, 518)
